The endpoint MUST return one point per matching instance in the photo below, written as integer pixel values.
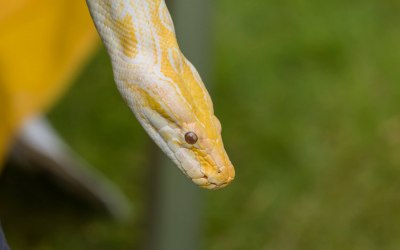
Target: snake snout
(216, 179)
(210, 170)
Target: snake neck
(135, 33)
(140, 38)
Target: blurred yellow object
(43, 43)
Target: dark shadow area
(32, 203)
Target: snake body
(162, 88)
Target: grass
(315, 137)
(308, 95)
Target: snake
(162, 88)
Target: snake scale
(162, 88)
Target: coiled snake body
(162, 87)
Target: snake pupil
(191, 138)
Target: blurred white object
(3, 241)
(38, 143)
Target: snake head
(198, 151)
(177, 112)
(200, 154)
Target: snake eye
(191, 138)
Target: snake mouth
(204, 182)
(203, 173)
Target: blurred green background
(308, 95)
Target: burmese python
(162, 87)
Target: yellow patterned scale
(162, 87)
